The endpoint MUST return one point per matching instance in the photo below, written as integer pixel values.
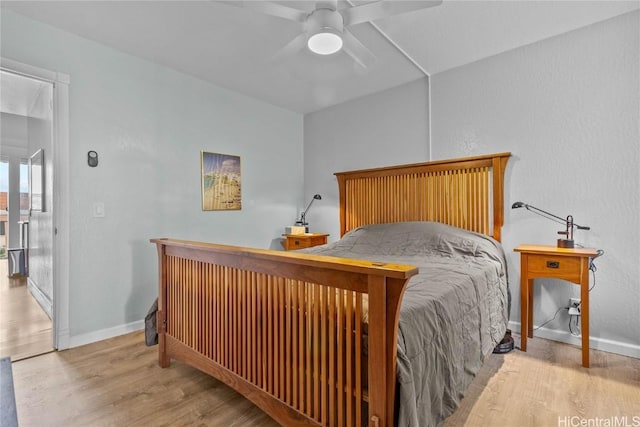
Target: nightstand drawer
(299, 243)
(553, 266)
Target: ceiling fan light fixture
(325, 27)
(325, 42)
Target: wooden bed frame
(285, 329)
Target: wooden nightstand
(300, 241)
(567, 264)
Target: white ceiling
(232, 47)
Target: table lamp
(567, 242)
(303, 216)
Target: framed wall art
(221, 182)
(36, 182)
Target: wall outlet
(574, 306)
(98, 209)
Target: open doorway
(26, 225)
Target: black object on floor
(506, 345)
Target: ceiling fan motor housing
(325, 20)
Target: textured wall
(568, 109)
(389, 127)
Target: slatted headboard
(465, 192)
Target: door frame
(61, 207)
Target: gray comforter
(452, 315)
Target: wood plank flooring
(25, 329)
(118, 382)
(547, 386)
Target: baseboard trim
(610, 346)
(63, 340)
(41, 298)
(103, 334)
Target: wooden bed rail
(285, 329)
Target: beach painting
(221, 182)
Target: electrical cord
(552, 319)
(577, 325)
(575, 317)
(571, 317)
(593, 268)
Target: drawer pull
(553, 264)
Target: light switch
(98, 209)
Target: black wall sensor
(92, 159)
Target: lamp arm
(304, 214)
(553, 217)
(545, 214)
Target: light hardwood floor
(118, 382)
(547, 386)
(25, 329)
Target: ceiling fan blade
(291, 48)
(382, 9)
(270, 8)
(355, 49)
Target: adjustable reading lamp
(303, 216)
(568, 223)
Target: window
(24, 190)
(4, 212)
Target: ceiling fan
(325, 29)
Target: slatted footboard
(285, 329)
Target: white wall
(148, 124)
(568, 110)
(386, 128)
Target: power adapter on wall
(574, 307)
